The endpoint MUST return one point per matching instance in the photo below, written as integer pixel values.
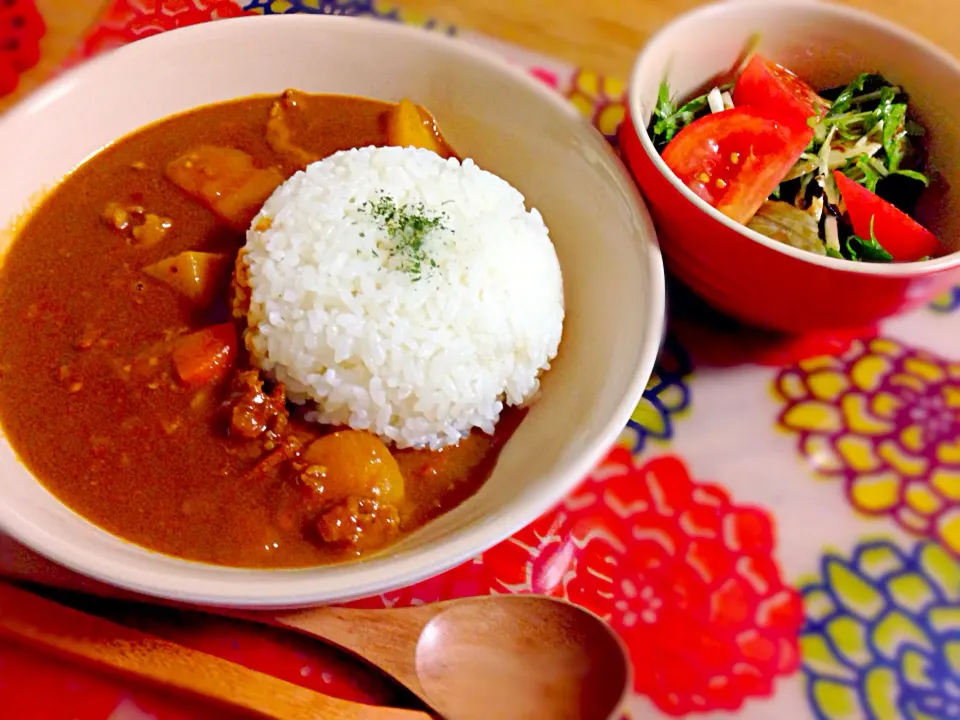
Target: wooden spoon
(510, 657)
(68, 632)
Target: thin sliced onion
(825, 152)
(816, 207)
(831, 233)
(715, 100)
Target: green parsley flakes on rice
(404, 294)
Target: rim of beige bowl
(237, 587)
(839, 14)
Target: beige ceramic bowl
(510, 124)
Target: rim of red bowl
(839, 13)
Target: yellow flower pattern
(599, 98)
(885, 418)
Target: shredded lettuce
(866, 249)
(667, 119)
(868, 135)
(871, 133)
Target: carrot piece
(206, 356)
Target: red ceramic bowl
(742, 272)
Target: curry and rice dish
(274, 332)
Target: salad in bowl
(810, 182)
(834, 171)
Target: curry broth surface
(144, 459)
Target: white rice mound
(337, 316)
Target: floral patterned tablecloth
(776, 536)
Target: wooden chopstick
(67, 632)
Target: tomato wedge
(765, 85)
(206, 356)
(734, 159)
(898, 233)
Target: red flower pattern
(684, 574)
(547, 76)
(129, 20)
(21, 28)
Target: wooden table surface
(602, 35)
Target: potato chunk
(226, 180)
(198, 276)
(353, 463)
(410, 126)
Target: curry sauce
(93, 311)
